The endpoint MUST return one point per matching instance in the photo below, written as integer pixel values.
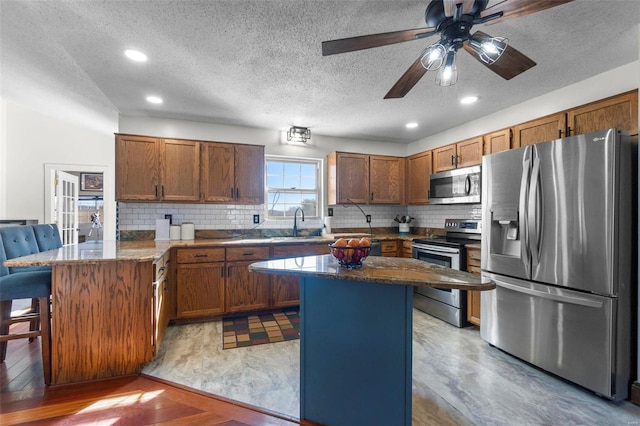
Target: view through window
(292, 183)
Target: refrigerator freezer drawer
(568, 333)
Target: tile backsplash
(142, 216)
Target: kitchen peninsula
(356, 334)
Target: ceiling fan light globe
(447, 76)
(433, 57)
(489, 49)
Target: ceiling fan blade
(510, 64)
(517, 8)
(407, 81)
(352, 44)
(450, 6)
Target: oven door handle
(436, 250)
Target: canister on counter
(174, 232)
(187, 231)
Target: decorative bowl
(350, 257)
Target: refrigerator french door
(559, 240)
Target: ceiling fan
(452, 20)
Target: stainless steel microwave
(458, 186)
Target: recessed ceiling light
(135, 55)
(154, 99)
(412, 125)
(468, 99)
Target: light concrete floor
(458, 379)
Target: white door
(66, 207)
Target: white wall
(31, 139)
(607, 84)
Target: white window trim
(320, 185)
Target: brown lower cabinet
(285, 290)
(389, 248)
(200, 282)
(217, 281)
(473, 297)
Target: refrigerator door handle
(557, 297)
(522, 216)
(533, 209)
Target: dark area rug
(276, 326)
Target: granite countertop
(143, 251)
(382, 270)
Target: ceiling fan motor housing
(435, 15)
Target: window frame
(318, 191)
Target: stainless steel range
(449, 305)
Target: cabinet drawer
(388, 246)
(247, 253)
(474, 269)
(199, 255)
(281, 251)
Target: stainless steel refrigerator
(559, 239)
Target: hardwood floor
(136, 400)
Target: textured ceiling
(258, 63)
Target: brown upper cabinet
(151, 169)
(419, 169)
(542, 129)
(497, 141)
(619, 111)
(461, 154)
(154, 169)
(232, 173)
(364, 178)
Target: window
(292, 183)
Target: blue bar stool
(25, 285)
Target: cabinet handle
(569, 131)
(248, 253)
(162, 191)
(560, 133)
(201, 255)
(156, 191)
(222, 272)
(232, 192)
(452, 160)
(237, 193)
(372, 196)
(428, 193)
(228, 271)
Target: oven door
(444, 256)
(448, 257)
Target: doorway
(108, 204)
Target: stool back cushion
(3, 256)
(47, 236)
(18, 241)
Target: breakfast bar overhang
(356, 334)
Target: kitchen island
(356, 334)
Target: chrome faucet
(295, 224)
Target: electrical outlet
(168, 216)
(368, 218)
(256, 218)
(330, 211)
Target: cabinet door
(249, 174)
(137, 168)
(497, 141)
(386, 179)
(419, 169)
(619, 111)
(180, 163)
(285, 290)
(540, 130)
(473, 297)
(217, 180)
(469, 152)
(245, 291)
(444, 158)
(200, 289)
(352, 178)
